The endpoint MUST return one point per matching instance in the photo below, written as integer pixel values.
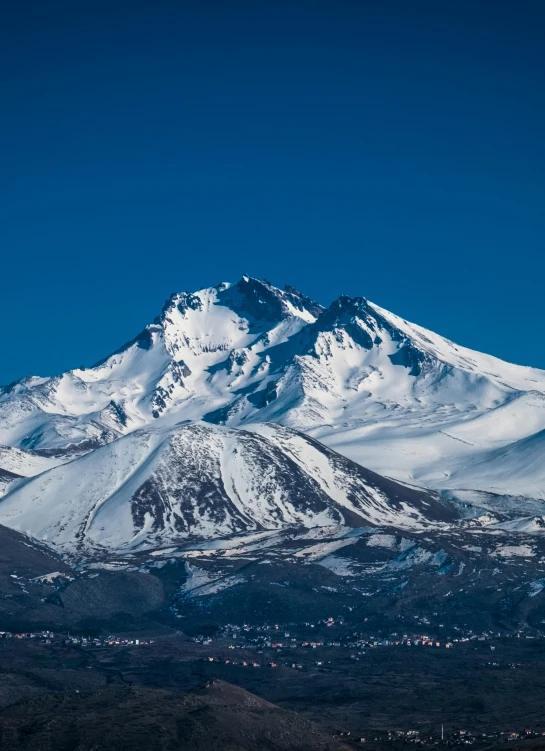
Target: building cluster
(443, 738)
(50, 637)
(45, 637)
(291, 635)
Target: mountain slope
(163, 485)
(517, 467)
(16, 463)
(386, 393)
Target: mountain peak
(260, 300)
(256, 300)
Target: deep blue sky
(393, 150)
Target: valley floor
(480, 692)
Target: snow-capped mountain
(386, 393)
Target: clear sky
(393, 150)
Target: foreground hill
(219, 717)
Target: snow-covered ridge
(162, 485)
(384, 392)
